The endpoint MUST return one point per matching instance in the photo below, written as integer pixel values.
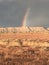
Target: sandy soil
(24, 46)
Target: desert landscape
(24, 46)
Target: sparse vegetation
(20, 48)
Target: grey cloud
(13, 11)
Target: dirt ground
(24, 48)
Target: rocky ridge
(24, 46)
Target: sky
(12, 13)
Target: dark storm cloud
(13, 11)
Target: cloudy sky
(13, 11)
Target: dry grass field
(24, 46)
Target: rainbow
(24, 22)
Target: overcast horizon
(13, 11)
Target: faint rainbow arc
(25, 17)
